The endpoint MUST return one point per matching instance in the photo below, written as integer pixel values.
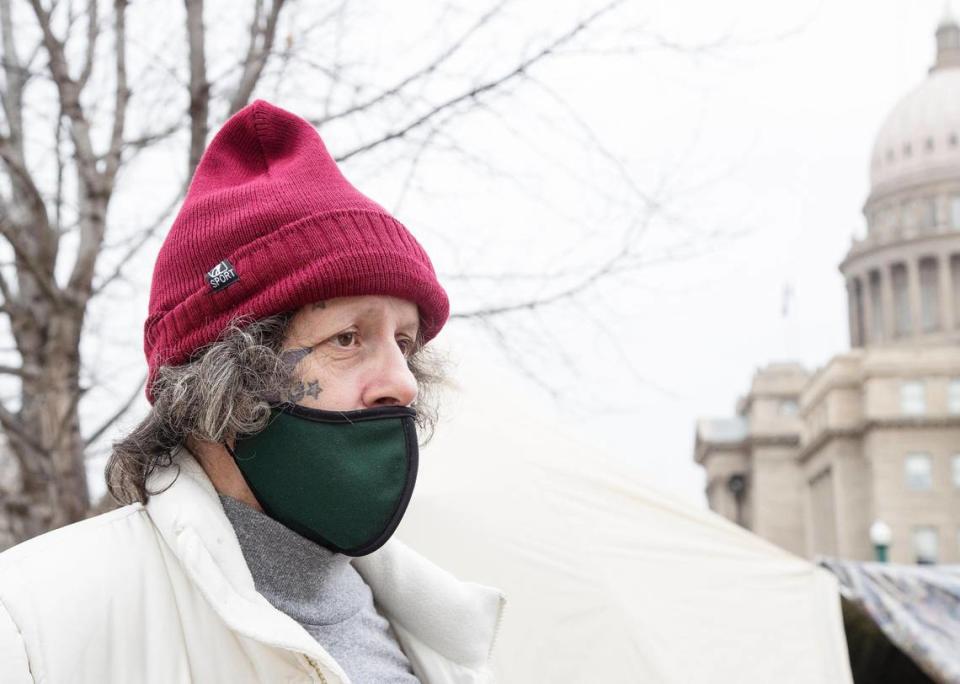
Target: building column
(913, 289)
(867, 304)
(851, 313)
(886, 290)
(945, 287)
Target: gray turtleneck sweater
(322, 591)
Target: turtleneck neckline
(308, 582)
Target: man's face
(351, 353)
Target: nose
(391, 382)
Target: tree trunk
(53, 478)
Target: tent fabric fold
(917, 607)
(608, 580)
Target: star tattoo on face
(304, 389)
(298, 388)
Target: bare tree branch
(606, 268)
(26, 196)
(46, 321)
(518, 361)
(415, 161)
(93, 31)
(58, 197)
(48, 336)
(199, 86)
(9, 302)
(261, 43)
(144, 141)
(595, 143)
(27, 191)
(117, 415)
(454, 47)
(14, 234)
(19, 371)
(95, 196)
(338, 20)
(69, 93)
(15, 79)
(122, 92)
(142, 239)
(10, 423)
(493, 84)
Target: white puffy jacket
(161, 593)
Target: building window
(955, 212)
(908, 215)
(913, 398)
(789, 407)
(887, 218)
(876, 306)
(901, 300)
(919, 472)
(929, 294)
(953, 396)
(955, 280)
(928, 212)
(925, 544)
(955, 467)
(953, 140)
(907, 149)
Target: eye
(345, 339)
(406, 345)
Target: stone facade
(811, 460)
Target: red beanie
(270, 224)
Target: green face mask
(340, 478)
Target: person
(288, 372)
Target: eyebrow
(412, 326)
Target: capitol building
(812, 460)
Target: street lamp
(737, 484)
(880, 536)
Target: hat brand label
(222, 275)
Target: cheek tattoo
(291, 357)
(300, 389)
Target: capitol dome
(919, 141)
(903, 275)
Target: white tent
(606, 579)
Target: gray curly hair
(222, 392)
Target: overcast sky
(762, 138)
(780, 124)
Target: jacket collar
(454, 620)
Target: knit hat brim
(336, 254)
